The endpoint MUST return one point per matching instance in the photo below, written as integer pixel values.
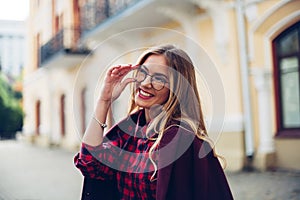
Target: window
(287, 81)
(62, 115)
(83, 110)
(37, 117)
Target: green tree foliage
(11, 114)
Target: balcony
(63, 50)
(94, 13)
(102, 19)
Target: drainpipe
(248, 126)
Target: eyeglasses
(158, 81)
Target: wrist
(101, 110)
(103, 103)
(102, 125)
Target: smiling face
(145, 95)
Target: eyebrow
(156, 73)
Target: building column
(218, 12)
(265, 156)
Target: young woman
(161, 150)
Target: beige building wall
(210, 35)
(48, 84)
(272, 17)
(221, 46)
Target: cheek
(165, 95)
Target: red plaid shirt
(122, 156)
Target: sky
(14, 9)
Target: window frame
(283, 132)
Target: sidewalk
(277, 185)
(36, 173)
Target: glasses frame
(151, 77)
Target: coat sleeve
(99, 162)
(95, 189)
(195, 172)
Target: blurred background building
(12, 47)
(12, 60)
(253, 44)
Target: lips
(145, 95)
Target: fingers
(124, 83)
(115, 81)
(121, 70)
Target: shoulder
(178, 127)
(203, 148)
(176, 140)
(180, 130)
(177, 132)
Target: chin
(143, 105)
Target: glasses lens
(140, 75)
(158, 83)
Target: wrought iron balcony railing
(95, 12)
(65, 41)
(92, 14)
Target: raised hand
(114, 84)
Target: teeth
(145, 93)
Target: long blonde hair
(183, 103)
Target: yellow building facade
(246, 55)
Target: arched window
(37, 117)
(286, 48)
(83, 110)
(62, 115)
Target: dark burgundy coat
(187, 170)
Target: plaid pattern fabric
(122, 156)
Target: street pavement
(30, 172)
(37, 173)
(276, 185)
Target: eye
(141, 75)
(141, 70)
(159, 79)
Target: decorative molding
(283, 22)
(218, 11)
(211, 4)
(251, 13)
(262, 79)
(185, 15)
(271, 33)
(263, 18)
(268, 36)
(232, 123)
